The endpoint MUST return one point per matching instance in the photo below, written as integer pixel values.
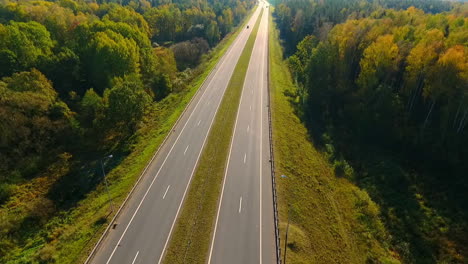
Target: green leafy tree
(448, 77)
(8, 62)
(419, 63)
(32, 120)
(92, 109)
(378, 62)
(58, 18)
(128, 16)
(226, 21)
(25, 43)
(301, 58)
(126, 102)
(111, 55)
(212, 33)
(63, 69)
(165, 22)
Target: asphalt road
(145, 224)
(244, 229)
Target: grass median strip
(191, 238)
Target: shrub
(46, 254)
(189, 53)
(5, 192)
(343, 169)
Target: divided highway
(244, 228)
(145, 224)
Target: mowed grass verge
(69, 236)
(331, 220)
(191, 239)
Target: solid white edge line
(134, 259)
(164, 196)
(170, 151)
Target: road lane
(145, 224)
(244, 228)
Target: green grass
(191, 238)
(68, 236)
(332, 221)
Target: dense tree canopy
(413, 68)
(394, 84)
(126, 102)
(92, 69)
(297, 18)
(110, 55)
(32, 119)
(22, 45)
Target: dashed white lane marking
(167, 189)
(198, 122)
(245, 156)
(136, 256)
(250, 108)
(185, 151)
(240, 204)
(248, 127)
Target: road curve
(244, 228)
(145, 223)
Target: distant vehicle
(247, 26)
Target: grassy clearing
(68, 236)
(191, 239)
(332, 221)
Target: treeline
(297, 19)
(396, 78)
(386, 94)
(78, 76)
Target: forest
(78, 80)
(383, 90)
(92, 69)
